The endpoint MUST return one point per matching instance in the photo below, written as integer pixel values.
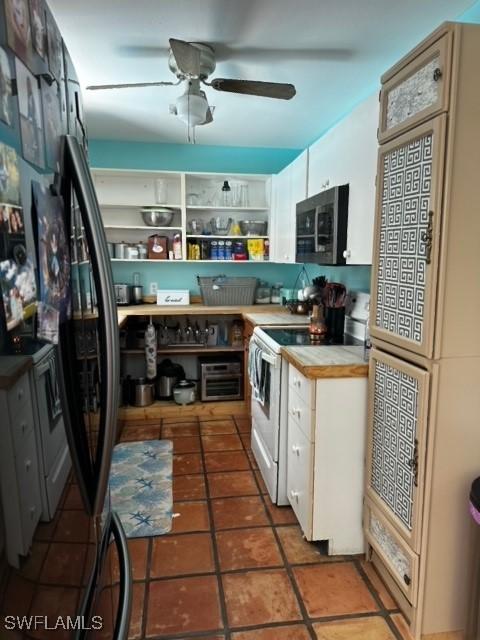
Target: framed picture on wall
(6, 100)
(9, 176)
(38, 27)
(17, 19)
(31, 125)
(52, 118)
(54, 47)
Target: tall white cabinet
(288, 187)
(423, 436)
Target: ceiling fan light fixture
(192, 109)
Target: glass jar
(262, 295)
(277, 293)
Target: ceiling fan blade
(186, 56)
(255, 88)
(96, 87)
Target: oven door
(266, 415)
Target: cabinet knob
(28, 464)
(32, 511)
(296, 449)
(20, 394)
(437, 74)
(294, 495)
(347, 253)
(407, 579)
(297, 382)
(23, 426)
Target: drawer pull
(294, 495)
(20, 394)
(407, 580)
(32, 511)
(296, 449)
(437, 74)
(28, 464)
(297, 382)
(23, 426)
(296, 412)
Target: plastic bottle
(214, 250)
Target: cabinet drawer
(399, 559)
(19, 396)
(304, 387)
(20, 426)
(418, 91)
(300, 476)
(29, 489)
(302, 414)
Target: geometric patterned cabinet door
(407, 228)
(397, 423)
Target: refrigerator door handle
(122, 623)
(79, 173)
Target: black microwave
(322, 227)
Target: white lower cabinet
(19, 472)
(299, 474)
(325, 458)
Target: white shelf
(215, 237)
(200, 207)
(189, 261)
(104, 205)
(140, 227)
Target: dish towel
(259, 374)
(141, 487)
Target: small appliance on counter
(184, 392)
(123, 293)
(168, 375)
(142, 392)
(220, 378)
(137, 294)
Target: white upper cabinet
(347, 154)
(288, 187)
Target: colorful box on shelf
(175, 297)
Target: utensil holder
(335, 321)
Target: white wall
(347, 153)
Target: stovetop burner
(301, 337)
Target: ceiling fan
(193, 63)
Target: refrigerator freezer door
(91, 336)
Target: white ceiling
(332, 50)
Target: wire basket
(223, 291)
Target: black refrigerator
(56, 286)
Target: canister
(121, 250)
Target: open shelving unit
(123, 193)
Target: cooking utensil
(121, 250)
(221, 226)
(168, 375)
(253, 227)
(142, 392)
(157, 216)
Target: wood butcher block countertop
(328, 361)
(12, 368)
(258, 314)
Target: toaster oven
(220, 378)
(123, 293)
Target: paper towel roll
(151, 351)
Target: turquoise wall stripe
(183, 275)
(472, 15)
(122, 154)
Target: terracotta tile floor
(236, 567)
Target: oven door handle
(270, 359)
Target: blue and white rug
(141, 487)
